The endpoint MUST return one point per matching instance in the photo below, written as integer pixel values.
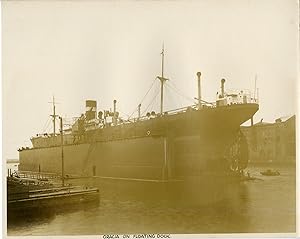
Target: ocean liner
(201, 139)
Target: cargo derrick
(169, 145)
(195, 133)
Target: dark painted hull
(171, 147)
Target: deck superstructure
(156, 146)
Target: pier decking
(34, 193)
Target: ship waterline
(165, 146)
(169, 147)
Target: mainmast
(54, 115)
(162, 81)
(62, 152)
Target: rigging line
(151, 101)
(154, 104)
(171, 98)
(182, 101)
(119, 109)
(123, 113)
(45, 125)
(148, 90)
(186, 97)
(133, 112)
(179, 93)
(143, 98)
(170, 95)
(43, 129)
(174, 88)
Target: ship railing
(171, 112)
(145, 117)
(37, 175)
(180, 110)
(245, 93)
(204, 104)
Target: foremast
(54, 115)
(162, 81)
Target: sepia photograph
(149, 119)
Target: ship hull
(172, 148)
(179, 157)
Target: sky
(106, 50)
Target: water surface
(266, 205)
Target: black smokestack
(222, 87)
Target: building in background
(272, 142)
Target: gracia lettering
(110, 236)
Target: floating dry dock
(201, 140)
(22, 197)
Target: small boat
(270, 172)
(25, 194)
(248, 177)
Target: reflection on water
(266, 205)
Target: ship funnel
(222, 87)
(90, 109)
(199, 90)
(115, 110)
(115, 106)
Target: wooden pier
(38, 175)
(29, 192)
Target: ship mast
(62, 152)
(162, 81)
(54, 115)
